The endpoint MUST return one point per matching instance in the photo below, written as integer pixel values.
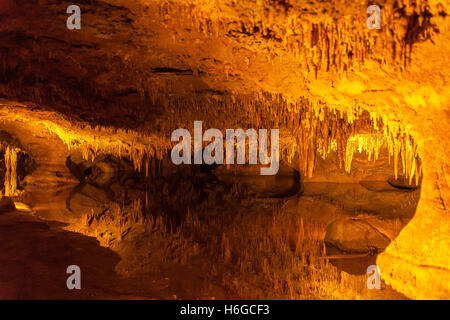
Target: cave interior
(87, 171)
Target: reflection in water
(249, 234)
(352, 263)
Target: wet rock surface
(79, 167)
(362, 235)
(376, 198)
(403, 183)
(87, 198)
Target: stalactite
(335, 45)
(312, 130)
(369, 143)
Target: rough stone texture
(356, 235)
(78, 166)
(131, 56)
(104, 172)
(402, 183)
(86, 199)
(372, 197)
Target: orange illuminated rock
(356, 235)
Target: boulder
(104, 172)
(6, 205)
(79, 167)
(357, 235)
(378, 186)
(402, 183)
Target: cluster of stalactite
(334, 45)
(327, 44)
(325, 131)
(369, 143)
(308, 130)
(404, 152)
(140, 149)
(319, 130)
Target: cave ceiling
(152, 66)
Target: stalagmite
(11, 171)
